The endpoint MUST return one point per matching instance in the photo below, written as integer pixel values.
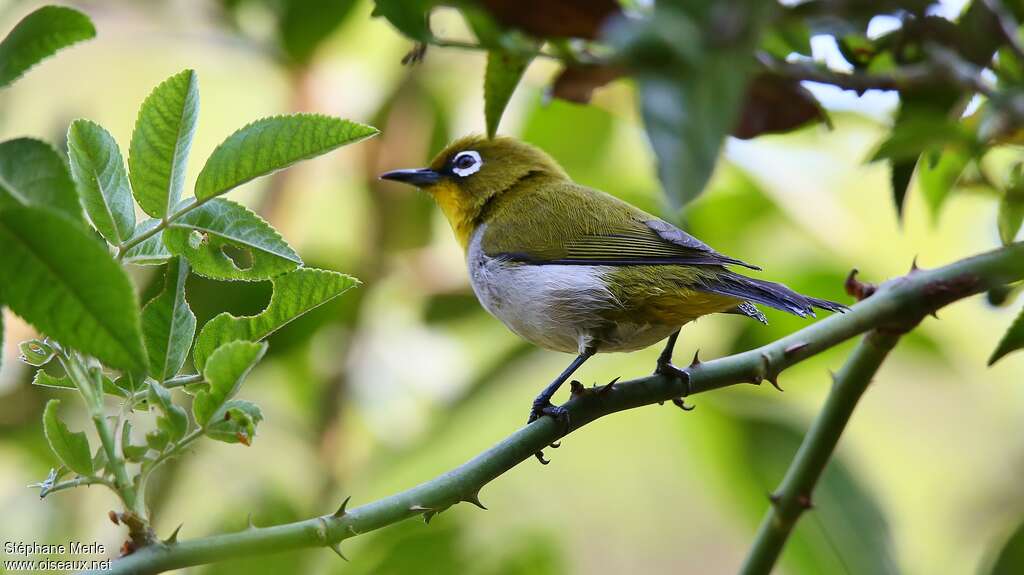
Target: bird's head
(473, 171)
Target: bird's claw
(556, 412)
(680, 402)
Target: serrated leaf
(295, 293)
(157, 440)
(173, 422)
(224, 372)
(1013, 340)
(103, 187)
(205, 235)
(40, 35)
(33, 174)
(149, 252)
(132, 452)
(44, 379)
(504, 70)
(901, 172)
(35, 352)
(61, 280)
(937, 179)
(70, 447)
(271, 144)
(161, 142)
(235, 422)
(168, 324)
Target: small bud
(113, 517)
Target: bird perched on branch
(575, 270)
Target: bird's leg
(542, 404)
(665, 367)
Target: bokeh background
(407, 377)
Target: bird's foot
(667, 369)
(556, 412)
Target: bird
(573, 269)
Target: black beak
(418, 178)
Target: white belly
(558, 307)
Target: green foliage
(1013, 340)
(36, 353)
(168, 324)
(172, 424)
(151, 251)
(271, 144)
(43, 379)
(1009, 558)
(504, 70)
(295, 294)
(210, 235)
(102, 181)
(57, 277)
(303, 25)
(33, 174)
(410, 17)
(70, 447)
(40, 35)
(235, 422)
(161, 142)
(224, 372)
(133, 453)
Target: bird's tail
(768, 293)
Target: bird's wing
(570, 225)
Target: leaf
(900, 174)
(71, 448)
(410, 17)
(57, 277)
(235, 422)
(173, 423)
(40, 35)
(1012, 340)
(210, 236)
(555, 18)
(1, 335)
(225, 371)
(103, 186)
(132, 452)
(168, 324)
(577, 83)
(938, 178)
(1011, 215)
(303, 25)
(43, 379)
(161, 141)
(504, 69)
(33, 174)
(150, 251)
(271, 144)
(1008, 559)
(295, 294)
(36, 353)
(774, 104)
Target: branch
(912, 76)
(794, 494)
(898, 302)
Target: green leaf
(900, 174)
(161, 142)
(235, 422)
(103, 186)
(43, 379)
(1008, 557)
(504, 70)
(157, 440)
(36, 353)
(71, 448)
(40, 35)
(295, 294)
(1011, 215)
(1, 335)
(168, 324)
(1012, 340)
(225, 241)
(132, 452)
(33, 174)
(174, 422)
(224, 372)
(305, 24)
(150, 251)
(271, 144)
(937, 179)
(56, 276)
(410, 17)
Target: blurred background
(407, 376)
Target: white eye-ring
(466, 163)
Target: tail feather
(768, 293)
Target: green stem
(168, 453)
(76, 482)
(123, 248)
(900, 302)
(794, 494)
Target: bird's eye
(466, 163)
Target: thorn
(774, 380)
(174, 536)
(857, 288)
(794, 348)
(696, 358)
(607, 387)
(680, 402)
(934, 313)
(756, 380)
(540, 457)
(474, 498)
(341, 510)
(576, 388)
(804, 501)
(832, 375)
(428, 516)
(775, 498)
(913, 266)
(336, 547)
(113, 517)
(249, 521)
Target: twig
(1008, 26)
(912, 76)
(897, 302)
(794, 494)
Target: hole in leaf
(240, 257)
(196, 239)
